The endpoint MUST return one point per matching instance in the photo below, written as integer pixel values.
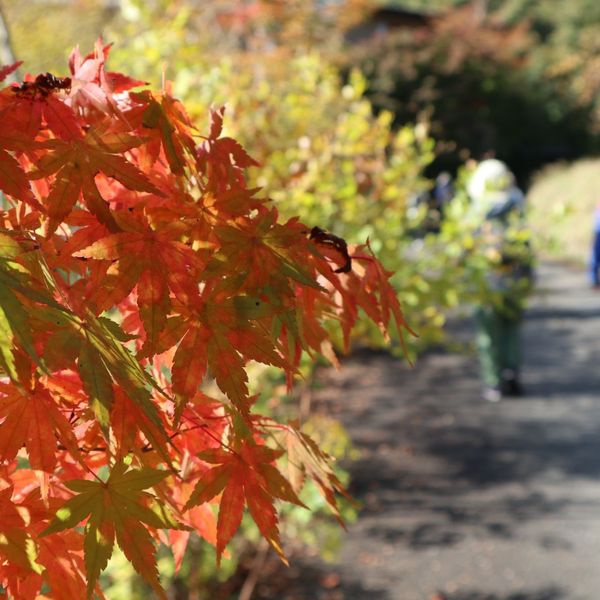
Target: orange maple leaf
(246, 477)
(32, 419)
(76, 164)
(157, 262)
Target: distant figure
(497, 204)
(430, 223)
(595, 256)
(434, 201)
(443, 191)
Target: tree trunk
(7, 56)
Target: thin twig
(257, 566)
(306, 396)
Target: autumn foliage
(138, 278)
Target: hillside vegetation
(562, 200)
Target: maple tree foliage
(135, 267)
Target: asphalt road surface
(467, 500)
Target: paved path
(466, 500)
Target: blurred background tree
(43, 32)
(490, 75)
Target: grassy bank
(561, 202)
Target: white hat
(491, 184)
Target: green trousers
(498, 343)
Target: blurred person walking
(443, 191)
(498, 207)
(595, 254)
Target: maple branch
(84, 449)
(148, 447)
(177, 249)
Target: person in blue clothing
(595, 254)
(497, 206)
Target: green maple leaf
(117, 508)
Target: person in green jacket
(498, 204)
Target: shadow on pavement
(517, 453)
(441, 505)
(446, 526)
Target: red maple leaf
(6, 70)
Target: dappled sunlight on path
(466, 500)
